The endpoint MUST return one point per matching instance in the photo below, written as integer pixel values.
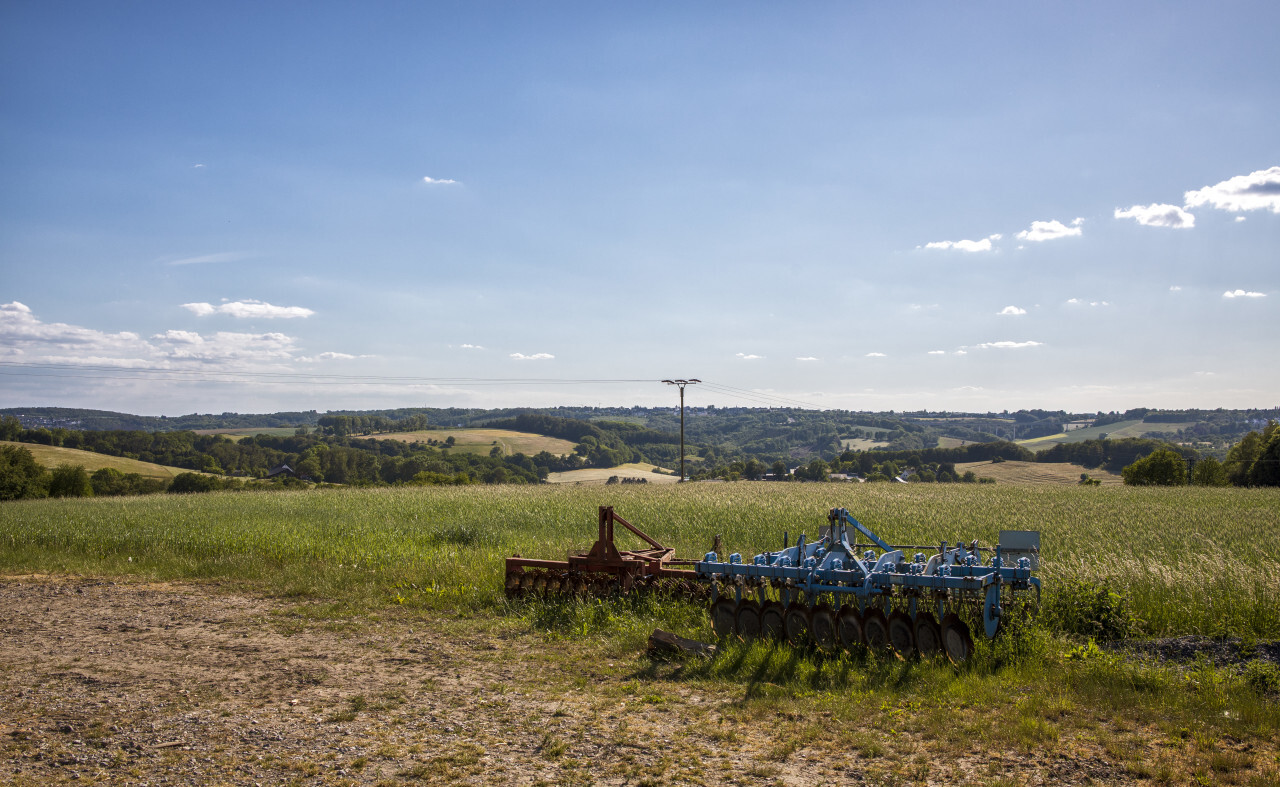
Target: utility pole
(681, 384)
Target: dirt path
(135, 683)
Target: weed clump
(1088, 610)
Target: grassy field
(860, 444)
(1120, 429)
(599, 475)
(481, 441)
(52, 456)
(1038, 473)
(1187, 560)
(273, 431)
(1190, 560)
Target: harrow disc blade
(748, 619)
(928, 635)
(723, 616)
(822, 622)
(956, 640)
(901, 634)
(772, 625)
(875, 629)
(797, 623)
(849, 626)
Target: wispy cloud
(332, 356)
(249, 309)
(807, 358)
(876, 355)
(225, 256)
(937, 352)
(1079, 302)
(748, 357)
(472, 347)
(1258, 190)
(1050, 230)
(1243, 294)
(430, 181)
(534, 357)
(1158, 215)
(1007, 345)
(1175, 288)
(1012, 311)
(965, 245)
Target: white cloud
(1240, 219)
(438, 182)
(1012, 311)
(808, 358)
(965, 245)
(534, 357)
(1243, 294)
(1175, 288)
(1078, 302)
(21, 331)
(746, 357)
(1256, 191)
(332, 356)
(197, 166)
(1006, 345)
(1050, 230)
(876, 355)
(962, 352)
(472, 347)
(937, 352)
(249, 309)
(1206, 374)
(226, 256)
(225, 346)
(1158, 215)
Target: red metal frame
(605, 557)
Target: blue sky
(977, 206)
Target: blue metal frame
(829, 565)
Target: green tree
(1241, 457)
(108, 481)
(1160, 468)
(1265, 470)
(1209, 472)
(184, 483)
(21, 476)
(780, 470)
(70, 481)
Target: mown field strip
(52, 456)
(1191, 560)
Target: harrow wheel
(928, 635)
(849, 626)
(956, 641)
(723, 614)
(513, 583)
(797, 623)
(772, 620)
(901, 634)
(822, 622)
(748, 619)
(875, 629)
(539, 584)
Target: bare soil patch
(129, 682)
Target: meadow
(1038, 473)
(1188, 560)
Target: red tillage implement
(604, 569)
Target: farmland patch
(52, 456)
(482, 441)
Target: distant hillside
(51, 456)
(105, 420)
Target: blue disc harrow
(825, 593)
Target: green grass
(1189, 560)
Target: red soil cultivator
(605, 570)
